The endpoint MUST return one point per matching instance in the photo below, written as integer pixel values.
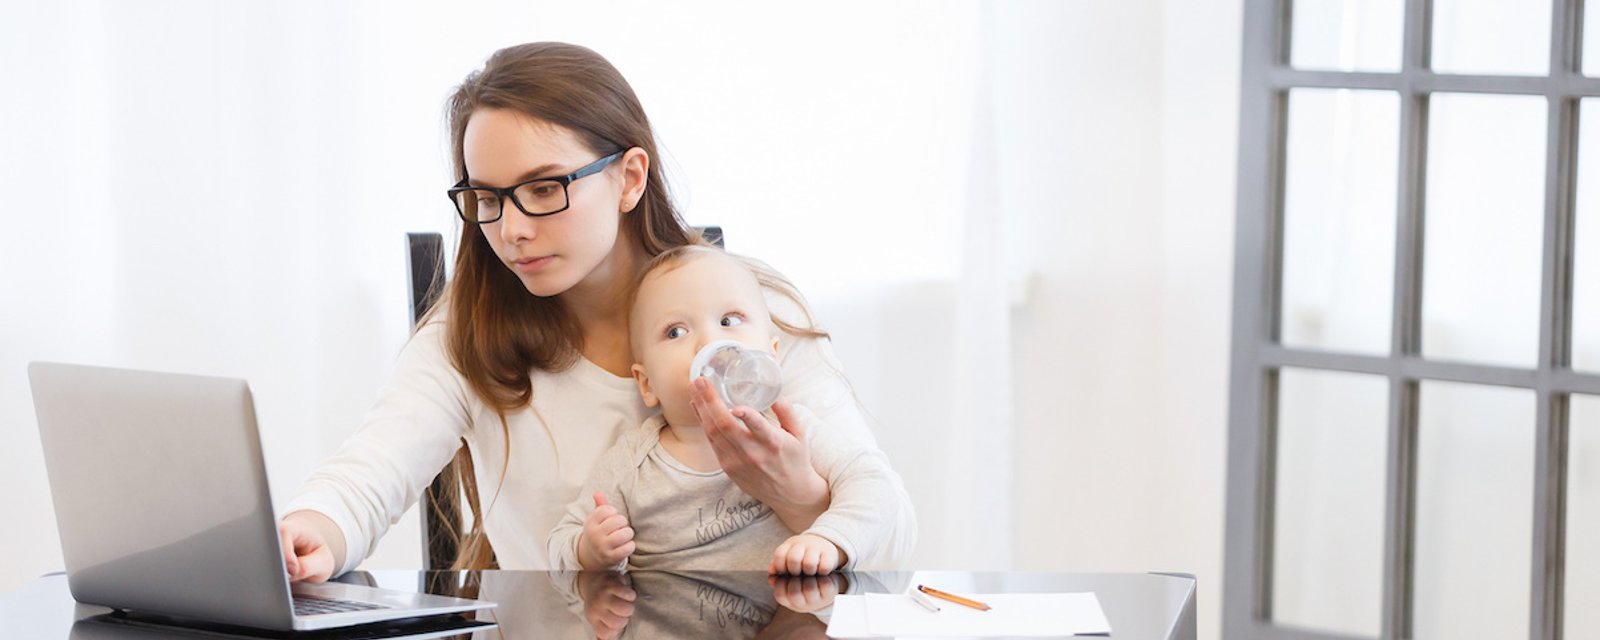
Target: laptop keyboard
(313, 605)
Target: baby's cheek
(674, 398)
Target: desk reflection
(537, 604)
(697, 605)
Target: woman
(526, 359)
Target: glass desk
(648, 604)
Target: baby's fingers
(605, 517)
(779, 564)
(787, 559)
(612, 524)
(618, 538)
(811, 561)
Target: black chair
(425, 253)
(441, 518)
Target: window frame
(1258, 354)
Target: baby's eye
(732, 320)
(673, 333)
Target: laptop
(161, 499)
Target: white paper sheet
(883, 615)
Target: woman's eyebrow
(526, 175)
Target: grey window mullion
(1549, 528)
(1261, 130)
(1424, 81)
(1268, 496)
(1408, 367)
(1568, 381)
(1405, 334)
(1405, 340)
(1399, 547)
(1406, 328)
(1288, 78)
(1281, 356)
(1576, 84)
(1418, 368)
(1555, 326)
(1429, 82)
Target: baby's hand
(806, 594)
(606, 539)
(805, 554)
(607, 602)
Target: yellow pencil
(953, 598)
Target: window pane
(1483, 228)
(1328, 554)
(1591, 31)
(1474, 511)
(1583, 519)
(1586, 242)
(1347, 35)
(1339, 200)
(1493, 37)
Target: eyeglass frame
(509, 193)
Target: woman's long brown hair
(496, 332)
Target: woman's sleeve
(413, 430)
(869, 514)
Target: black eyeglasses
(536, 197)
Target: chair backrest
(425, 251)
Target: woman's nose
(515, 226)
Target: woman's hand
(312, 546)
(805, 555)
(607, 539)
(607, 602)
(770, 462)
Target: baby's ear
(639, 378)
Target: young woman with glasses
(521, 371)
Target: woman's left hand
(770, 462)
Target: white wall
(1122, 354)
(1080, 155)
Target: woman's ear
(635, 174)
(774, 346)
(639, 378)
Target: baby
(658, 499)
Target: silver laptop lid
(160, 493)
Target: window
(1416, 346)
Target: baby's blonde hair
(766, 277)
